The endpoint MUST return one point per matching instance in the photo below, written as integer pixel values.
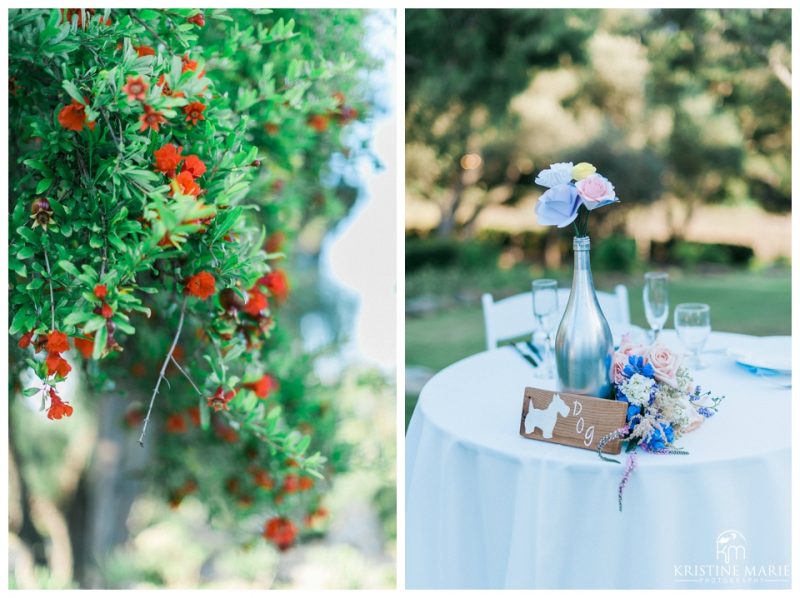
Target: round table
(486, 508)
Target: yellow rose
(582, 170)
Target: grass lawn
(756, 303)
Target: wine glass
(693, 323)
(656, 301)
(545, 310)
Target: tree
(148, 224)
(462, 69)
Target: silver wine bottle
(584, 345)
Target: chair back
(513, 317)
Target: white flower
(637, 389)
(558, 174)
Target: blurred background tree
(686, 103)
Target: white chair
(512, 317)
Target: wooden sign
(574, 420)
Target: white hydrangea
(559, 173)
(637, 389)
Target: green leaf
(72, 90)
(29, 392)
(26, 252)
(205, 418)
(43, 186)
(95, 323)
(68, 267)
(148, 14)
(77, 317)
(100, 340)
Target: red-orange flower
(187, 184)
(100, 291)
(188, 63)
(84, 345)
(166, 90)
(57, 365)
(168, 157)
(318, 122)
(68, 13)
(151, 119)
(176, 424)
(201, 285)
(73, 117)
(136, 88)
(194, 112)
(347, 114)
(219, 401)
(194, 415)
(262, 479)
(106, 311)
(58, 408)
(275, 241)
(315, 517)
(25, 341)
(256, 303)
(263, 386)
(277, 283)
(144, 51)
(281, 532)
(306, 483)
(291, 483)
(195, 165)
(197, 19)
(57, 342)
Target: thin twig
(163, 370)
(152, 32)
(182, 371)
(52, 299)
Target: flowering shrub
(146, 150)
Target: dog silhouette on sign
(545, 419)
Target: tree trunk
(112, 482)
(448, 222)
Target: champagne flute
(693, 323)
(656, 301)
(545, 310)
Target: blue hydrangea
(637, 365)
(656, 442)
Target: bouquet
(663, 401)
(573, 191)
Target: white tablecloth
(486, 508)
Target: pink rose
(596, 190)
(628, 347)
(620, 360)
(665, 364)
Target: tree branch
(52, 299)
(163, 370)
(182, 371)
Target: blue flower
(705, 412)
(633, 410)
(656, 442)
(637, 365)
